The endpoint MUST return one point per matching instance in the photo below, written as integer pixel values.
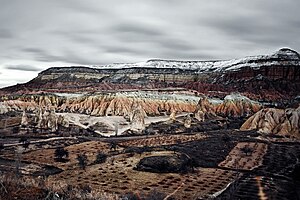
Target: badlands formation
(160, 129)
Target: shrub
(23, 140)
(26, 144)
(1, 146)
(16, 129)
(82, 161)
(61, 154)
(113, 146)
(100, 158)
(247, 150)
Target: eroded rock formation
(236, 105)
(275, 121)
(137, 118)
(204, 110)
(100, 104)
(43, 119)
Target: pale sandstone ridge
(104, 105)
(275, 121)
(236, 105)
(99, 105)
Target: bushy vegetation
(82, 161)
(100, 158)
(60, 154)
(28, 188)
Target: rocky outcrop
(4, 108)
(236, 105)
(44, 120)
(24, 120)
(275, 121)
(137, 118)
(187, 121)
(204, 110)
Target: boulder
(165, 164)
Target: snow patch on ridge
(290, 57)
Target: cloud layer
(35, 35)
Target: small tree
(26, 144)
(23, 140)
(113, 146)
(1, 146)
(100, 158)
(61, 154)
(16, 129)
(82, 161)
(247, 150)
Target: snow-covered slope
(290, 57)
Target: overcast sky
(37, 34)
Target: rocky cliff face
(268, 77)
(104, 104)
(275, 121)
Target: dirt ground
(221, 166)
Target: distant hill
(264, 77)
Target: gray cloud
(75, 32)
(5, 34)
(135, 30)
(22, 68)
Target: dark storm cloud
(23, 68)
(76, 32)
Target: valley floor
(226, 164)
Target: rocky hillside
(275, 121)
(267, 77)
(109, 104)
(125, 103)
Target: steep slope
(236, 105)
(275, 121)
(267, 77)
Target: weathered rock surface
(236, 105)
(102, 104)
(137, 118)
(43, 119)
(204, 110)
(275, 121)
